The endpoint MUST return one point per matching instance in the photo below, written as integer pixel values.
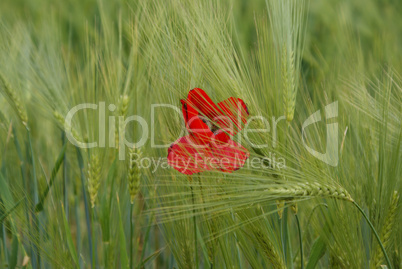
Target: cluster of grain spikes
(134, 173)
(94, 174)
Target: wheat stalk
(288, 23)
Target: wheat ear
(288, 82)
(269, 250)
(308, 190)
(60, 119)
(386, 231)
(94, 173)
(122, 112)
(15, 100)
(134, 173)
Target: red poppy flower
(208, 145)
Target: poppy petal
(187, 159)
(229, 114)
(197, 128)
(220, 137)
(200, 100)
(206, 148)
(236, 110)
(232, 156)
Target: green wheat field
(90, 105)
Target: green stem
(376, 235)
(87, 215)
(208, 222)
(36, 260)
(131, 235)
(195, 229)
(146, 239)
(65, 178)
(300, 242)
(3, 230)
(93, 217)
(285, 239)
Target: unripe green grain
(308, 190)
(122, 109)
(94, 173)
(288, 83)
(14, 98)
(386, 231)
(269, 250)
(61, 121)
(134, 173)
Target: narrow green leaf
(146, 239)
(317, 251)
(59, 161)
(5, 192)
(5, 215)
(106, 203)
(122, 242)
(14, 253)
(2, 229)
(69, 238)
(36, 258)
(203, 248)
(300, 242)
(150, 258)
(87, 215)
